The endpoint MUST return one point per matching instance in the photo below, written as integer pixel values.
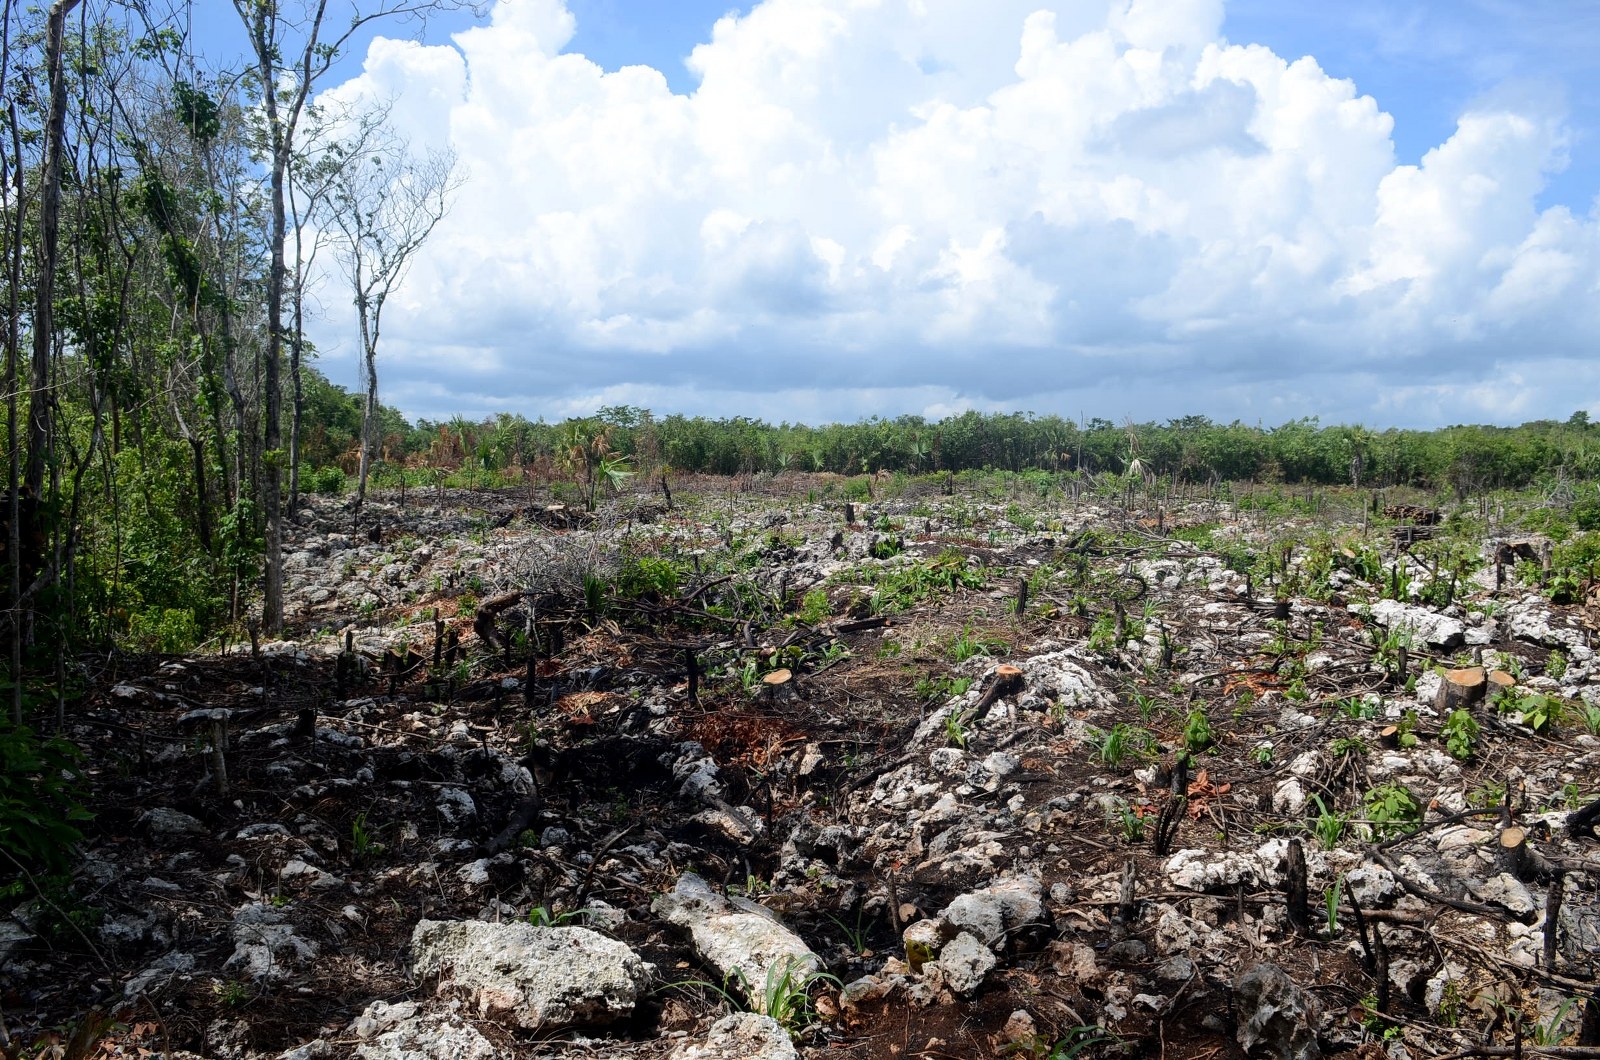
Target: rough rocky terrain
(819, 786)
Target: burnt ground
(371, 788)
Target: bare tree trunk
(49, 233)
(369, 412)
(13, 343)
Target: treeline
(1466, 459)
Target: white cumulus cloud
(881, 206)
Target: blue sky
(837, 210)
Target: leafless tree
(385, 202)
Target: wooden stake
(1294, 887)
(1552, 918)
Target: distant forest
(1466, 459)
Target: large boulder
(745, 942)
(541, 978)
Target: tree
(292, 48)
(385, 203)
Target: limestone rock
(1277, 1018)
(742, 942)
(993, 913)
(742, 1036)
(540, 978)
(964, 963)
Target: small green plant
(1327, 826)
(1555, 667)
(1128, 820)
(1405, 730)
(1589, 714)
(1076, 1041)
(1357, 708)
(1347, 745)
(814, 607)
(955, 729)
(1460, 734)
(1122, 741)
(1553, 1031)
(363, 843)
(1261, 754)
(855, 936)
(1330, 906)
(543, 916)
(1103, 634)
(1197, 736)
(968, 644)
(231, 993)
(1391, 809)
(594, 592)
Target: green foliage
(1327, 826)
(363, 842)
(903, 587)
(1460, 734)
(1197, 735)
(955, 729)
(648, 578)
(329, 481)
(1128, 821)
(1121, 742)
(814, 607)
(41, 798)
(968, 644)
(1540, 712)
(172, 630)
(1391, 809)
(544, 916)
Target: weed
(1553, 1030)
(543, 916)
(1261, 754)
(1330, 906)
(1391, 809)
(1357, 708)
(1347, 745)
(785, 995)
(855, 936)
(1589, 714)
(1114, 745)
(1460, 733)
(1197, 736)
(814, 608)
(1128, 820)
(1327, 825)
(955, 729)
(1555, 667)
(363, 843)
(968, 644)
(230, 993)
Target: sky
(814, 210)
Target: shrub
(172, 630)
(39, 798)
(325, 480)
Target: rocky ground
(992, 773)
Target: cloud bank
(887, 206)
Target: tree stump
(777, 685)
(1515, 855)
(1460, 689)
